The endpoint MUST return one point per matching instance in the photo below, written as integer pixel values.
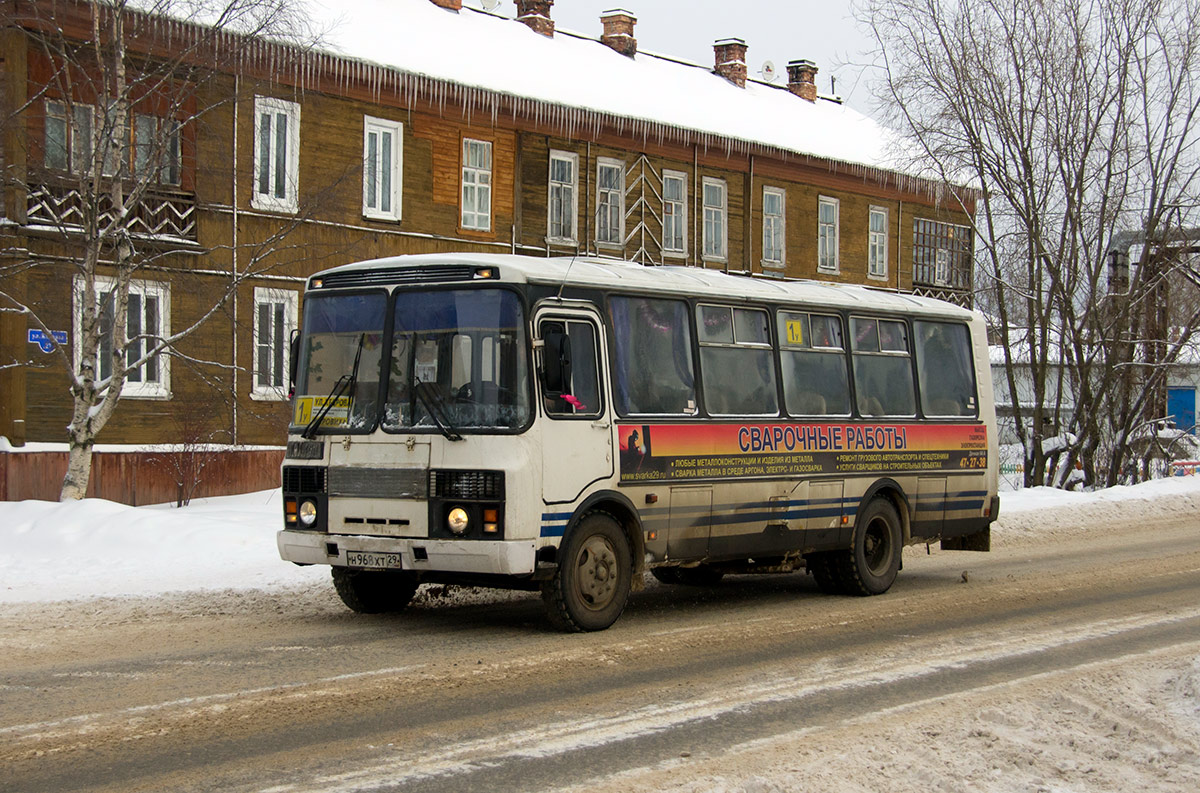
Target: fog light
(457, 520)
(308, 513)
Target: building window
(147, 321)
(276, 154)
(610, 201)
(274, 319)
(562, 197)
(68, 138)
(827, 234)
(714, 197)
(877, 243)
(773, 226)
(942, 254)
(477, 185)
(383, 143)
(674, 213)
(156, 152)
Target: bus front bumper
(491, 557)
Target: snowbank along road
(1065, 659)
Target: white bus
(565, 425)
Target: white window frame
(679, 207)
(877, 244)
(395, 171)
(611, 197)
(476, 180)
(159, 389)
(570, 202)
(290, 301)
(828, 235)
(268, 155)
(941, 269)
(717, 215)
(778, 225)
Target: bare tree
(123, 97)
(1076, 122)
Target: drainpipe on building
(237, 95)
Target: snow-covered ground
(94, 548)
(1129, 723)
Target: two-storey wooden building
(419, 126)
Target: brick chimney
(452, 5)
(536, 14)
(731, 60)
(618, 31)
(802, 79)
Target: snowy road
(1066, 662)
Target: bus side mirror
(293, 354)
(556, 363)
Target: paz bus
(566, 425)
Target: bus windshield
(337, 388)
(457, 362)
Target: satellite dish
(768, 71)
(490, 5)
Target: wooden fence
(143, 477)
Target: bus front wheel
(374, 591)
(592, 582)
(869, 567)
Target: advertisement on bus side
(675, 452)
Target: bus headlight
(457, 520)
(308, 512)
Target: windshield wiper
(344, 383)
(434, 405)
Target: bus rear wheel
(595, 570)
(374, 591)
(870, 565)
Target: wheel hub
(597, 572)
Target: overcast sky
(775, 30)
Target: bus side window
(944, 369)
(580, 395)
(883, 379)
(736, 364)
(652, 357)
(812, 357)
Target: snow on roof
(484, 51)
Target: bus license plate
(383, 561)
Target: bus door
(576, 432)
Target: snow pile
(1046, 512)
(96, 548)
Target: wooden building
(437, 128)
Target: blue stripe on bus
(554, 524)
